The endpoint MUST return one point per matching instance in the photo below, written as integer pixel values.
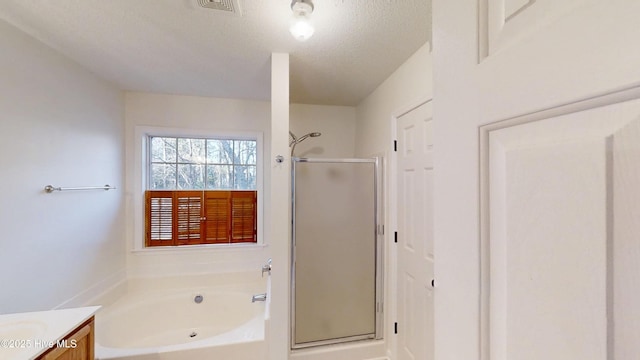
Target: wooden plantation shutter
(243, 216)
(200, 217)
(218, 221)
(159, 215)
(189, 217)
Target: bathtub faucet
(259, 297)
(266, 268)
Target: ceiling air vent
(226, 6)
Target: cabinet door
(77, 346)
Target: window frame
(142, 180)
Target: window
(189, 164)
(201, 191)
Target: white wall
(277, 332)
(336, 123)
(407, 87)
(59, 125)
(193, 114)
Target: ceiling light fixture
(301, 28)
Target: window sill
(197, 248)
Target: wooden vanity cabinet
(78, 345)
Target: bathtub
(197, 317)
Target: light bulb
(301, 29)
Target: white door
(551, 227)
(415, 233)
(562, 243)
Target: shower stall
(336, 274)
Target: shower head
(303, 137)
(293, 140)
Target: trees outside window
(195, 164)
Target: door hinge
(395, 145)
(395, 328)
(395, 237)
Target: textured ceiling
(178, 47)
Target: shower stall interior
(336, 270)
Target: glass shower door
(336, 280)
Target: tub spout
(259, 297)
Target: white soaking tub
(198, 317)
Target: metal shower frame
(379, 252)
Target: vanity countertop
(27, 335)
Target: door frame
(392, 265)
